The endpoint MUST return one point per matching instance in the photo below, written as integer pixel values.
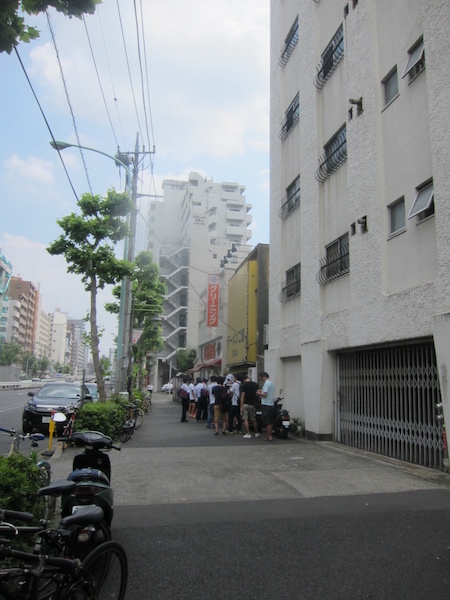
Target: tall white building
(359, 320)
(58, 333)
(190, 231)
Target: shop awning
(214, 361)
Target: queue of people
(229, 402)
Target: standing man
(234, 418)
(267, 395)
(212, 401)
(192, 403)
(249, 400)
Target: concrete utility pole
(125, 332)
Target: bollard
(51, 430)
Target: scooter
(92, 475)
(282, 421)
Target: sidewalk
(168, 462)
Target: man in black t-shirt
(249, 401)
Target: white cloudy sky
(208, 80)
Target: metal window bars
(334, 265)
(291, 118)
(334, 156)
(291, 200)
(331, 57)
(289, 290)
(289, 44)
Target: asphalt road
(218, 517)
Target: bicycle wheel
(138, 417)
(107, 567)
(125, 433)
(146, 406)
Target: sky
(193, 82)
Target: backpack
(204, 393)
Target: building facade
(23, 302)
(190, 231)
(359, 321)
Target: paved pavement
(205, 516)
(168, 462)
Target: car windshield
(93, 389)
(59, 391)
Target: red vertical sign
(213, 301)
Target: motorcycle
(282, 421)
(91, 471)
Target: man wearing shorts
(267, 395)
(249, 400)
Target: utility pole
(125, 333)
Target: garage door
(387, 403)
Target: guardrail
(22, 385)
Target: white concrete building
(190, 231)
(58, 347)
(359, 320)
(78, 352)
(43, 333)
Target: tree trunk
(95, 341)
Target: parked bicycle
(103, 573)
(33, 438)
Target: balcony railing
(289, 44)
(334, 265)
(331, 57)
(289, 290)
(334, 156)
(291, 201)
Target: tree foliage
(14, 29)
(185, 359)
(10, 353)
(87, 244)
(147, 298)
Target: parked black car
(51, 397)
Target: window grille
(289, 44)
(291, 118)
(331, 57)
(291, 288)
(291, 200)
(336, 263)
(335, 154)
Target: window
(397, 216)
(289, 44)
(336, 262)
(423, 205)
(331, 57)
(292, 116)
(291, 200)
(416, 61)
(291, 288)
(390, 84)
(335, 154)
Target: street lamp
(125, 292)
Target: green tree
(87, 244)
(43, 364)
(147, 301)
(10, 353)
(29, 363)
(13, 28)
(185, 359)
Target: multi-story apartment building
(78, 349)
(43, 334)
(359, 318)
(23, 302)
(58, 344)
(190, 230)
(5, 278)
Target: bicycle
(33, 438)
(146, 403)
(102, 574)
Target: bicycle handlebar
(25, 517)
(8, 431)
(53, 561)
